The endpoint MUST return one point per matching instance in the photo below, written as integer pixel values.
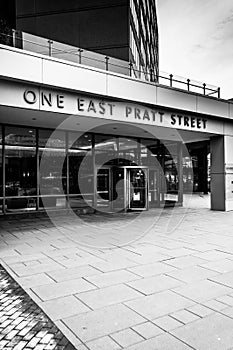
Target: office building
(85, 132)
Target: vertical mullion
(3, 171)
(94, 200)
(37, 170)
(67, 170)
(180, 172)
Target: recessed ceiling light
(30, 131)
(114, 128)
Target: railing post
(130, 68)
(80, 55)
(204, 88)
(218, 92)
(50, 42)
(188, 84)
(106, 59)
(171, 76)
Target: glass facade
(144, 39)
(45, 169)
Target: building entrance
(123, 188)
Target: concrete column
(221, 148)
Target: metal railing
(48, 47)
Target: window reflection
(53, 165)
(171, 171)
(128, 151)
(81, 179)
(106, 150)
(20, 168)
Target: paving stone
(226, 299)
(185, 261)
(184, 316)
(167, 323)
(202, 290)
(108, 266)
(200, 310)
(225, 279)
(73, 273)
(61, 289)
(105, 343)
(63, 307)
(148, 330)
(127, 337)
(159, 304)
(99, 323)
(33, 281)
(148, 258)
(107, 296)
(221, 266)
(227, 312)
(161, 342)
(110, 278)
(213, 332)
(213, 255)
(191, 274)
(154, 284)
(149, 270)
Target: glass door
(137, 188)
(103, 187)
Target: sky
(196, 41)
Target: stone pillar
(221, 148)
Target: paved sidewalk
(162, 280)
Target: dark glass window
(171, 171)
(81, 172)
(53, 168)
(20, 136)
(106, 150)
(20, 167)
(128, 151)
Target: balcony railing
(48, 47)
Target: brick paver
(162, 280)
(23, 325)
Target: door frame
(126, 186)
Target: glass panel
(50, 202)
(171, 171)
(153, 187)
(150, 150)
(81, 178)
(80, 141)
(52, 139)
(53, 165)
(118, 188)
(20, 136)
(128, 151)
(20, 204)
(20, 171)
(188, 174)
(106, 150)
(52, 171)
(103, 187)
